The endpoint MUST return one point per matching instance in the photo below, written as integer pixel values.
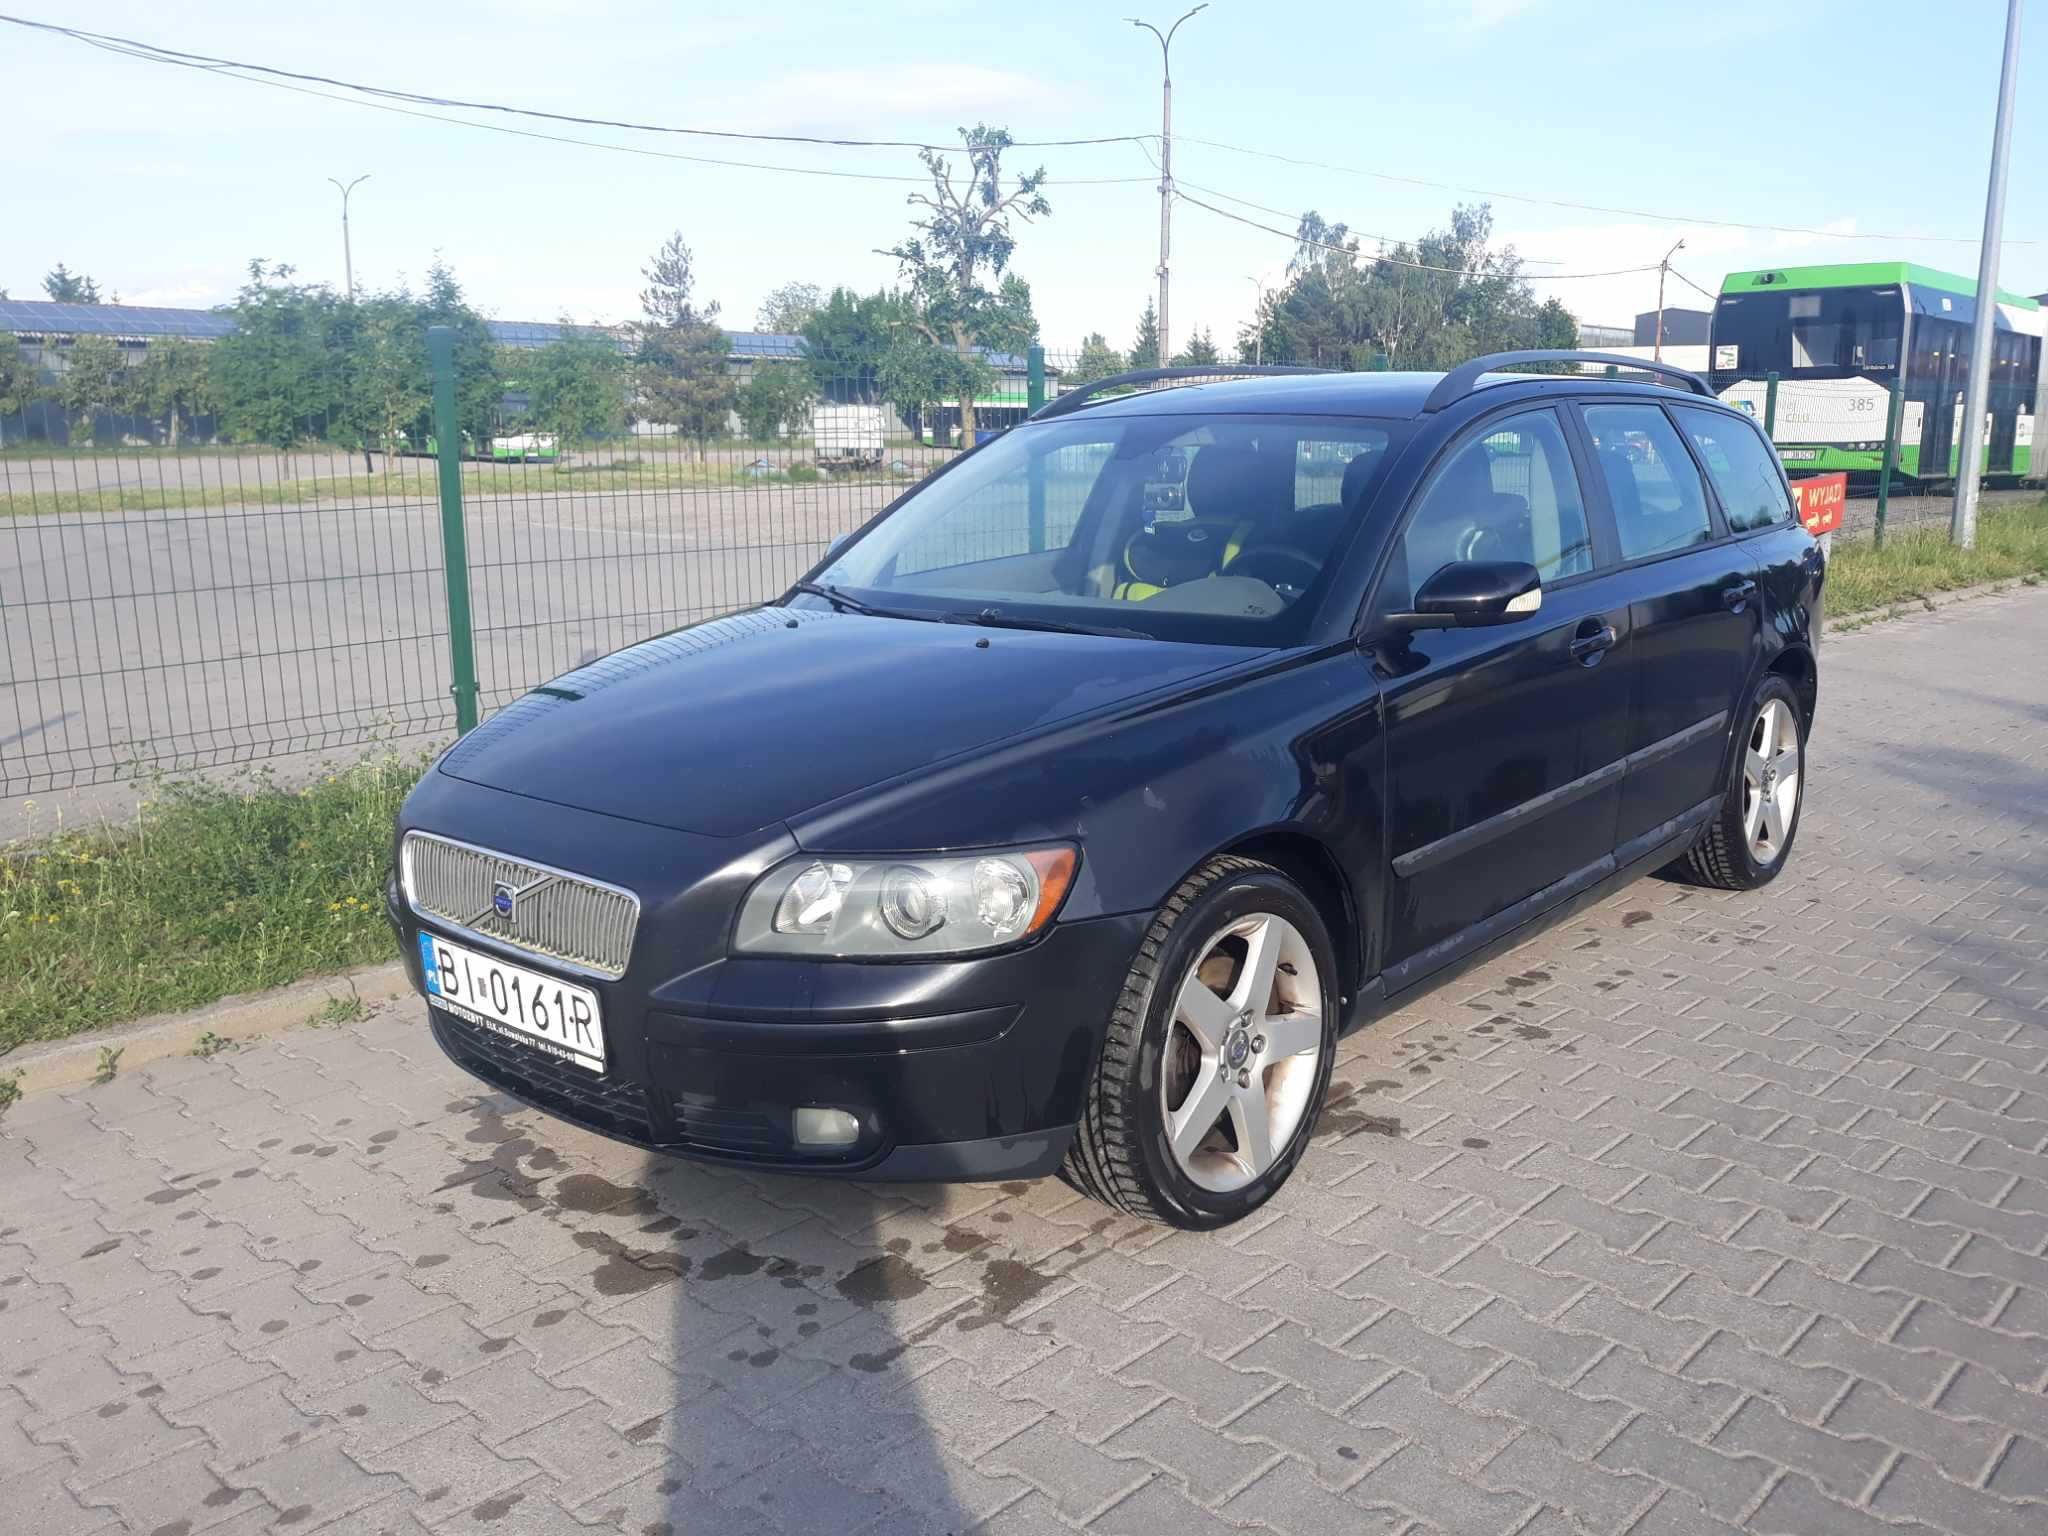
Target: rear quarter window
(1744, 470)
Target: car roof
(1385, 394)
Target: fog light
(826, 1128)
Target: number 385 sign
(1821, 501)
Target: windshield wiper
(849, 604)
(995, 618)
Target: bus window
(1826, 331)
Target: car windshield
(1220, 530)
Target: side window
(1744, 471)
(1508, 494)
(1659, 503)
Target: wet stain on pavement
(1631, 919)
(885, 1279)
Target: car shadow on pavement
(778, 1368)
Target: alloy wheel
(1770, 781)
(1241, 1052)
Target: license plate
(540, 1011)
(1799, 455)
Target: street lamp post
(1976, 402)
(348, 260)
(1165, 167)
(1663, 268)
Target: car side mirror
(1470, 593)
(834, 547)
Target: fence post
(454, 541)
(1891, 452)
(1034, 384)
(1771, 409)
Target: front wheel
(1217, 1055)
(1747, 842)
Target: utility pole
(348, 260)
(1165, 168)
(1258, 322)
(1976, 402)
(1663, 267)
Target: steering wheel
(1287, 570)
(1166, 554)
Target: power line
(1282, 213)
(1414, 266)
(623, 149)
(1695, 287)
(157, 54)
(1555, 202)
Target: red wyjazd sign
(1821, 501)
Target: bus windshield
(1822, 332)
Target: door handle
(1590, 647)
(1734, 597)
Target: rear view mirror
(1469, 593)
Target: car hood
(745, 721)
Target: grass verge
(2012, 545)
(215, 889)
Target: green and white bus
(1838, 337)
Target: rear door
(1694, 607)
(1504, 744)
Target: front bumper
(964, 1069)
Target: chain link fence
(163, 610)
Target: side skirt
(1517, 925)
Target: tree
(1430, 303)
(1201, 351)
(274, 375)
(172, 383)
(18, 381)
(479, 385)
(388, 382)
(680, 371)
(845, 341)
(776, 400)
(96, 378)
(577, 386)
(788, 309)
(960, 249)
(67, 287)
(1098, 360)
(1145, 350)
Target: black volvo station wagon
(1069, 812)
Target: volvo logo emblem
(505, 898)
(1237, 1048)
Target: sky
(1857, 118)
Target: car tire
(1749, 839)
(1187, 1034)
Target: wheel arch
(1308, 861)
(1795, 663)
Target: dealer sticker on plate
(536, 1010)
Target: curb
(73, 1061)
(1924, 602)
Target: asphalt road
(1702, 1213)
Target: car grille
(603, 1103)
(555, 914)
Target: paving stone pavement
(1701, 1213)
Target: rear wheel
(1747, 842)
(1217, 1055)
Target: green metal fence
(166, 610)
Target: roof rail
(1465, 378)
(1080, 395)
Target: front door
(1694, 598)
(1504, 743)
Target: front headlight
(903, 908)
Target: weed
(108, 1063)
(210, 1044)
(10, 1088)
(340, 1010)
(214, 889)
(2012, 543)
